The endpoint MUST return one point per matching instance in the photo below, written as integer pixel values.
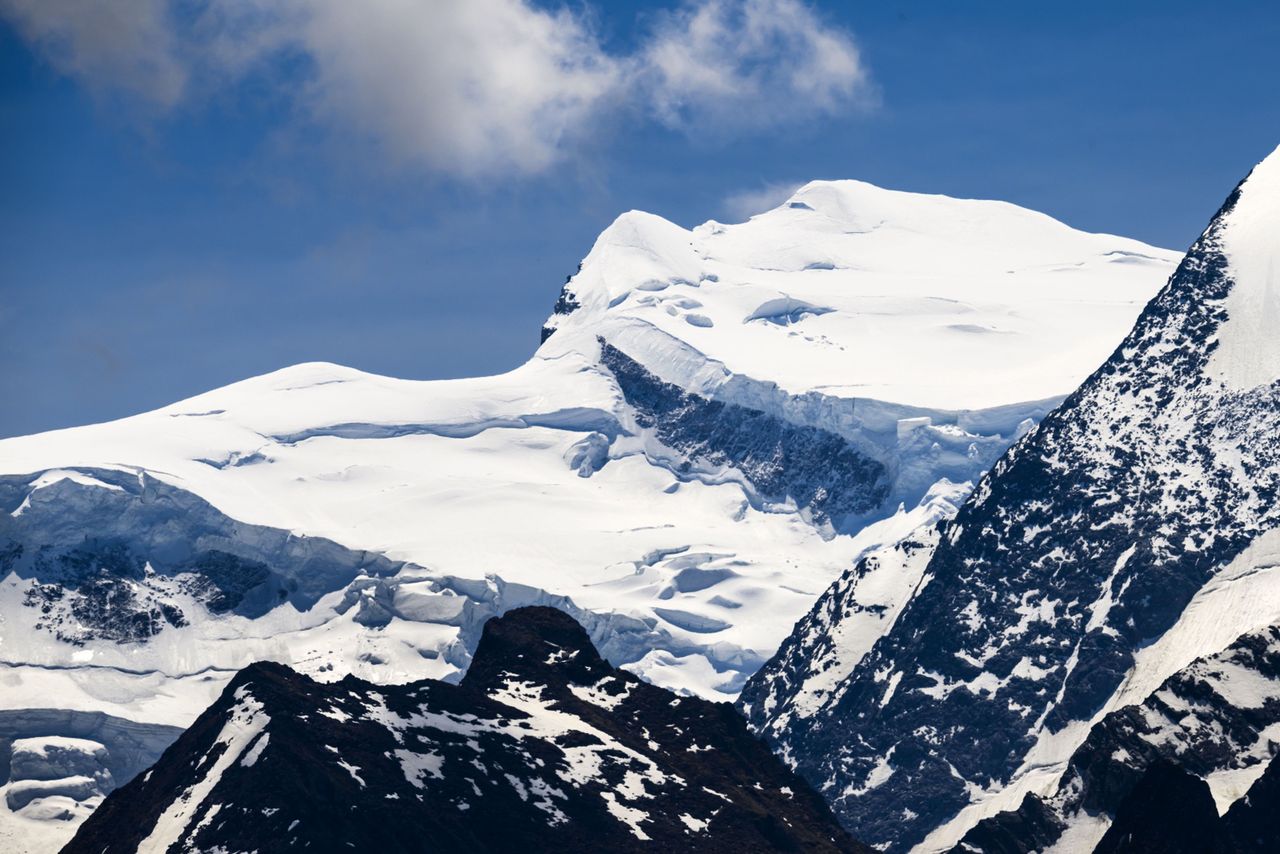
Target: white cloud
(722, 66)
(470, 87)
(474, 87)
(742, 205)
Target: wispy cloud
(473, 88)
(129, 46)
(745, 204)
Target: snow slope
(1131, 534)
(717, 423)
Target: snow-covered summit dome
(855, 291)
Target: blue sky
(190, 199)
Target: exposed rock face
(1031, 827)
(1220, 714)
(822, 473)
(1216, 720)
(1169, 810)
(566, 303)
(811, 668)
(115, 556)
(543, 746)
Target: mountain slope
(1215, 720)
(1107, 550)
(543, 746)
(909, 338)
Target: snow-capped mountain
(1132, 533)
(718, 422)
(542, 747)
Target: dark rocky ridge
(1170, 811)
(1031, 827)
(544, 746)
(566, 304)
(824, 475)
(1212, 733)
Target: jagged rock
(1169, 811)
(1030, 828)
(1253, 822)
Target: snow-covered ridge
(918, 333)
(1248, 354)
(1102, 554)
